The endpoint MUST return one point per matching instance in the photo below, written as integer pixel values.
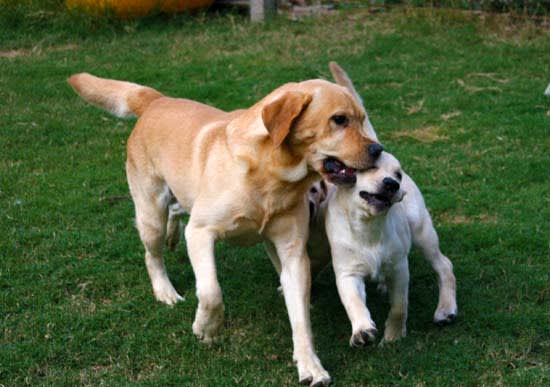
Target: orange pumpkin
(135, 8)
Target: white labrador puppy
(422, 231)
(369, 235)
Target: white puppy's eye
(340, 119)
(399, 175)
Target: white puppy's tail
(342, 78)
(123, 99)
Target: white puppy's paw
(445, 314)
(167, 294)
(207, 324)
(363, 337)
(391, 337)
(312, 372)
(394, 332)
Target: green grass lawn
(458, 100)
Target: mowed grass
(458, 100)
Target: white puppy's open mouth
(382, 201)
(339, 173)
(379, 201)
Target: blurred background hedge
(530, 7)
(33, 16)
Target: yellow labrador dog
(241, 176)
(420, 226)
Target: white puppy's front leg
(351, 288)
(209, 316)
(396, 323)
(289, 242)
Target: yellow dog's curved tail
(123, 99)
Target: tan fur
(241, 176)
(278, 115)
(107, 94)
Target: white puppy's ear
(342, 78)
(279, 114)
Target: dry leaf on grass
(491, 76)
(426, 134)
(446, 217)
(36, 50)
(477, 89)
(448, 116)
(11, 54)
(413, 109)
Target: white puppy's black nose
(390, 185)
(374, 150)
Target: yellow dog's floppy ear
(278, 115)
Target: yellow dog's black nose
(374, 150)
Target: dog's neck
(287, 164)
(292, 173)
(289, 180)
(250, 155)
(273, 172)
(277, 197)
(371, 228)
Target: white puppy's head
(379, 187)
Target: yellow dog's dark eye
(340, 120)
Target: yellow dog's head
(321, 123)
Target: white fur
(424, 235)
(368, 243)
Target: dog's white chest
(369, 249)
(370, 261)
